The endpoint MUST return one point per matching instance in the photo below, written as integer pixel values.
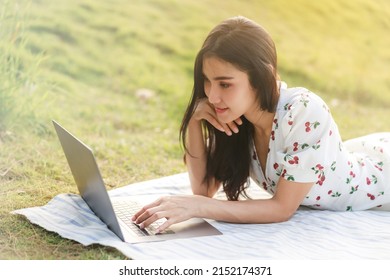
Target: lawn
(119, 75)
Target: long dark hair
(247, 46)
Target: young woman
(242, 122)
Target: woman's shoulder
(299, 97)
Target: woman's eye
(223, 85)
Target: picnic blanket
(310, 234)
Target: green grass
(81, 62)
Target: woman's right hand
(205, 111)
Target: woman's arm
(279, 208)
(195, 160)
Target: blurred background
(118, 74)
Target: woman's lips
(220, 110)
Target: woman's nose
(214, 95)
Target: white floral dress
(306, 146)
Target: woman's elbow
(204, 189)
(205, 193)
(200, 192)
(284, 215)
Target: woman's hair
(248, 47)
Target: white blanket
(310, 234)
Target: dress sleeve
(309, 142)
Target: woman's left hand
(175, 209)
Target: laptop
(116, 212)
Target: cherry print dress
(306, 146)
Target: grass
(83, 62)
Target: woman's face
(228, 89)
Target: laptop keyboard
(126, 209)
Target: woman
(243, 122)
